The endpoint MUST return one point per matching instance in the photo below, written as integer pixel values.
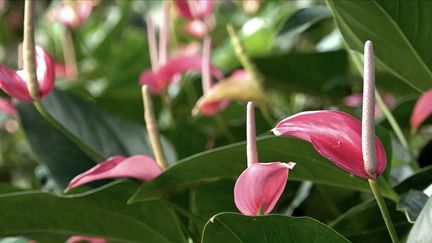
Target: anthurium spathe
(14, 83)
(335, 135)
(260, 186)
(140, 167)
(422, 110)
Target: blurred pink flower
(356, 100)
(336, 136)
(198, 13)
(260, 186)
(140, 167)
(7, 107)
(164, 69)
(158, 80)
(14, 83)
(74, 13)
(89, 239)
(422, 110)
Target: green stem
(33, 85)
(241, 54)
(152, 129)
(93, 154)
(385, 214)
(29, 50)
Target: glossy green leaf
(100, 213)
(107, 134)
(230, 161)
(400, 33)
(420, 232)
(232, 227)
(287, 72)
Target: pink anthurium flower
(14, 83)
(260, 186)
(89, 239)
(335, 135)
(164, 69)
(140, 167)
(198, 13)
(7, 107)
(422, 110)
(341, 138)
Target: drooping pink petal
(335, 135)
(7, 107)
(140, 167)
(89, 239)
(193, 9)
(159, 80)
(259, 187)
(14, 82)
(422, 110)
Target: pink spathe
(422, 110)
(260, 186)
(140, 167)
(336, 136)
(14, 83)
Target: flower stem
(69, 55)
(93, 154)
(241, 54)
(33, 86)
(152, 129)
(385, 214)
(29, 50)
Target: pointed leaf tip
(260, 186)
(336, 136)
